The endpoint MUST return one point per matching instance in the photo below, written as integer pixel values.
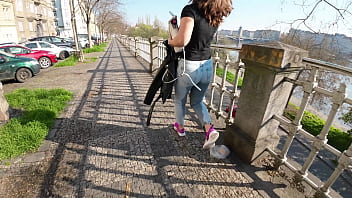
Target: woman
(199, 22)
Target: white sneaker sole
(211, 141)
(179, 134)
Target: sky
(253, 14)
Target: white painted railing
(220, 88)
(143, 49)
(319, 142)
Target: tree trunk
(89, 33)
(78, 51)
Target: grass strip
(73, 60)
(95, 48)
(230, 77)
(70, 61)
(39, 109)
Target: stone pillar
(4, 107)
(263, 94)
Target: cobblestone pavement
(101, 147)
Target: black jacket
(163, 80)
(168, 69)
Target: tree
(147, 31)
(323, 46)
(157, 23)
(74, 29)
(312, 8)
(109, 18)
(88, 9)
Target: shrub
(313, 124)
(230, 77)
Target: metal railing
(224, 94)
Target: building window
(6, 13)
(9, 36)
(31, 7)
(30, 24)
(19, 5)
(36, 10)
(20, 26)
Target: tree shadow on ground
(100, 153)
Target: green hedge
(230, 77)
(313, 124)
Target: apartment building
(21, 20)
(34, 18)
(64, 25)
(8, 28)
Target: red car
(45, 58)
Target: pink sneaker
(180, 132)
(210, 138)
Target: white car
(83, 40)
(60, 52)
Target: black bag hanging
(164, 80)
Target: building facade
(64, 24)
(21, 20)
(8, 28)
(34, 18)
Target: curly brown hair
(214, 10)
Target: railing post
(344, 161)
(153, 41)
(263, 94)
(135, 46)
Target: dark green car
(19, 68)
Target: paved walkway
(101, 146)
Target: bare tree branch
(343, 13)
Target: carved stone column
(263, 94)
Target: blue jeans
(201, 73)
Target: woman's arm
(184, 33)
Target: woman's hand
(184, 33)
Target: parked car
(60, 52)
(55, 40)
(19, 68)
(83, 40)
(45, 58)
